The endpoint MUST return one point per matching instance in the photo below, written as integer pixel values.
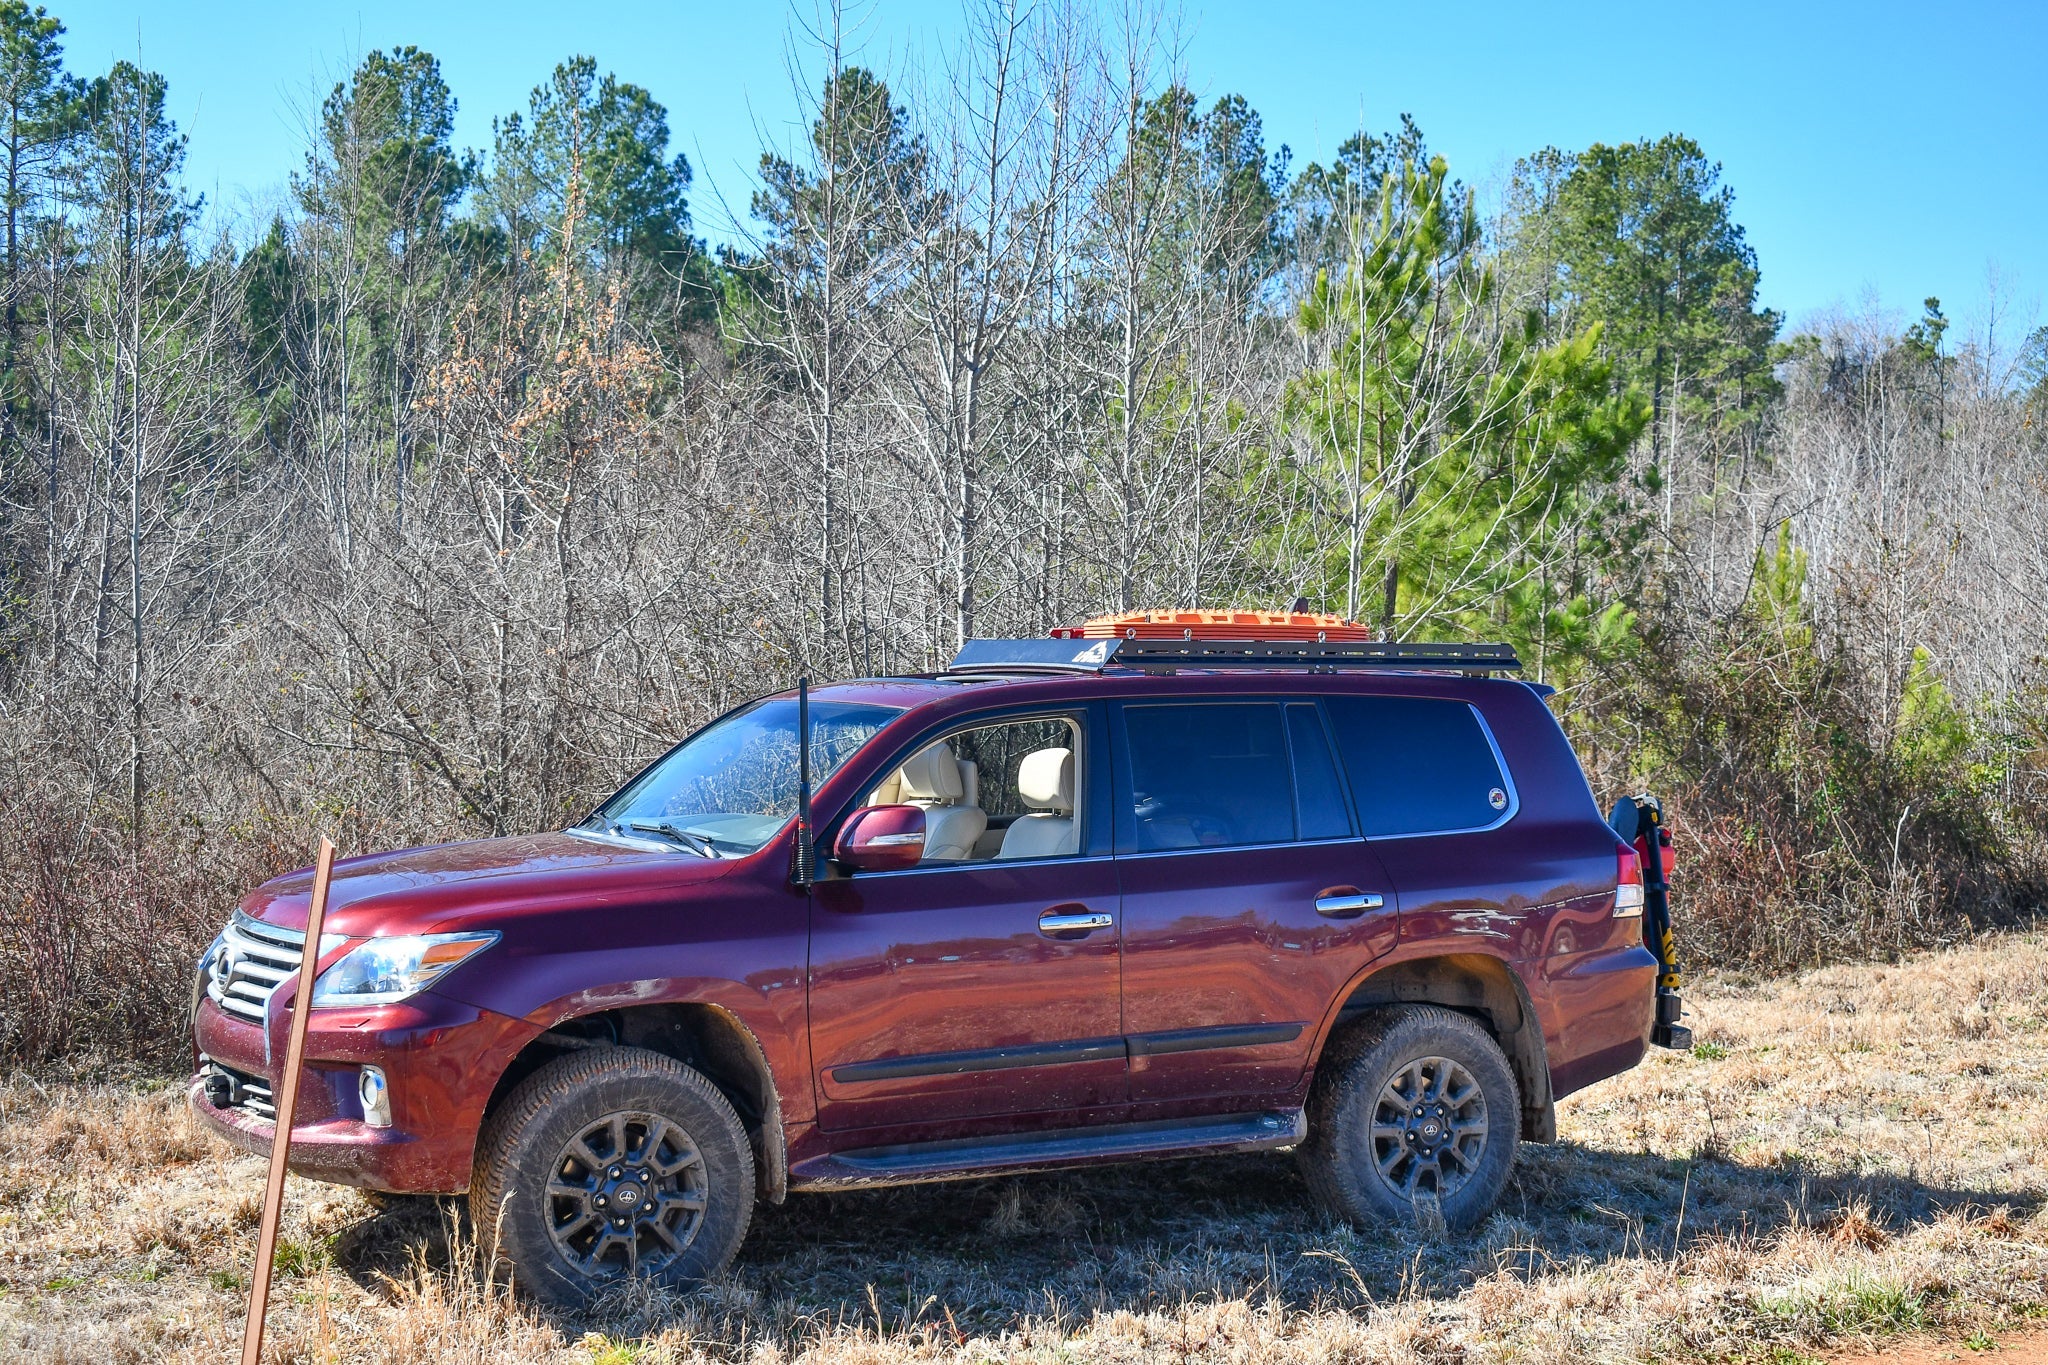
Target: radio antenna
(804, 863)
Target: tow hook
(219, 1089)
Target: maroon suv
(1070, 901)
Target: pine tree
(1642, 239)
(40, 109)
(1471, 465)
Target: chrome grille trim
(253, 959)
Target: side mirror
(881, 839)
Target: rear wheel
(609, 1164)
(1414, 1114)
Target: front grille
(253, 958)
(227, 1088)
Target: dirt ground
(1852, 1165)
(2025, 1347)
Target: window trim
(1344, 792)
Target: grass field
(1850, 1157)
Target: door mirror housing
(881, 839)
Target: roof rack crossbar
(1092, 656)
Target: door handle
(1078, 923)
(1343, 902)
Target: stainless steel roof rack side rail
(1469, 658)
(1092, 656)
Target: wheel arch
(1481, 986)
(706, 1037)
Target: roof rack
(1095, 655)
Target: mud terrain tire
(1414, 1115)
(610, 1163)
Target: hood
(423, 890)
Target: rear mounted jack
(1639, 820)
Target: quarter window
(1418, 765)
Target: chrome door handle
(1058, 924)
(1343, 905)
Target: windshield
(727, 789)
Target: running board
(1018, 1153)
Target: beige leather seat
(1045, 779)
(939, 783)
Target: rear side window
(1418, 765)
(1209, 776)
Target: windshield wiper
(689, 839)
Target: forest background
(436, 505)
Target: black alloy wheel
(1429, 1129)
(629, 1193)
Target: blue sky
(1877, 150)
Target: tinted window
(1417, 764)
(1318, 796)
(1209, 776)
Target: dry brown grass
(1852, 1154)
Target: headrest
(932, 774)
(889, 792)
(1045, 779)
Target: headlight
(382, 970)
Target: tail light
(1628, 882)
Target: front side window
(1418, 765)
(729, 788)
(1209, 775)
(994, 792)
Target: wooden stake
(287, 1102)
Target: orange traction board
(1217, 625)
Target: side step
(1017, 1153)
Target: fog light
(376, 1095)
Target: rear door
(1249, 898)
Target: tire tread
(1346, 1071)
(500, 1174)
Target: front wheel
(608, 1164)
(1414, 1114)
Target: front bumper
(442, 1059)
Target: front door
(1248, 898)
(985, 983)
